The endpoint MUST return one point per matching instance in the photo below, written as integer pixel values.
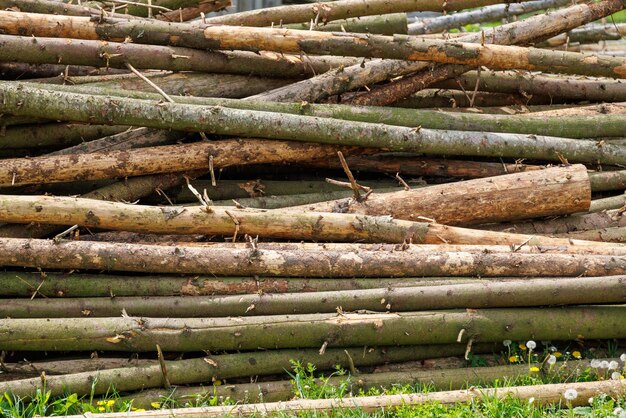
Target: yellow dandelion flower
(522, 347)
(140, 410)
(110, 402)
(155, 405)
(513, 359)
(557, 354)
(100, 403)
(576, 354)
(101, 408)
(534, 369)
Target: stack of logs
(193, 199)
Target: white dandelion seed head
(623, 357)
(618, 411)
(604, 364)
(595, 363)
(552, 360)
(531, 344)
(552, 348)
(570, 394)
(590, 400)
(531, 400)
(507, 343)
(616, 375)
(613, 365)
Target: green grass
(308, 383)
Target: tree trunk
(357, 76)
(387, 24)
(153, 160)
(24, 100)
(492, 199)
(574, 126)
(25, 284)
(223, 367)
(522, 293)
(312, 331)
(117, 54)
(484, 14)
(579, 89)
(249, 262)
(341, 9)
(542, 394)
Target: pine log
(152, 160)
(540, 84)
(484, 14)
(570, 126)
(225, 366)
(340, 9)
(501, 195)
(219, 120)
(522, 293)
(387, 24)
(312, 42)
(311, 331)
(563, 225)
(26, 284)
(549, 394)
(356, 76)
(117, 54)
(274, 263)
(274, 391)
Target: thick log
(522, 293)
(311, 331)
(357, 76)
(579, 89)
(484, 14)
(570, 126)
(274, 263)
(26, 284)
(602, 181)
(200, 370)
(338, 10)
(502, 197)
(541, 394)
(153, 160)
(133, 112)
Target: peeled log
(312, 331)
(495, 199)
(86, 255)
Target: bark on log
(56, 367)
(153, 160)
(484, 14)
(339, 10)
(26, 284)
(311, 331)
(53, 135)
(574, 126)
(502, 197)
(117, 54)
(522, 293)
(184, 14)
(64, 106)
(602, 181)
(225, 366)
(249, 262)
(274, 391)
(540, 84)
(542, 394)
(387, 24)
(357, 76)
(613, 234)
(608, 203)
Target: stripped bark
(325, 263)
(522, 293)
(63, 106)
(311, 331)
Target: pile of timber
(191, 200)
